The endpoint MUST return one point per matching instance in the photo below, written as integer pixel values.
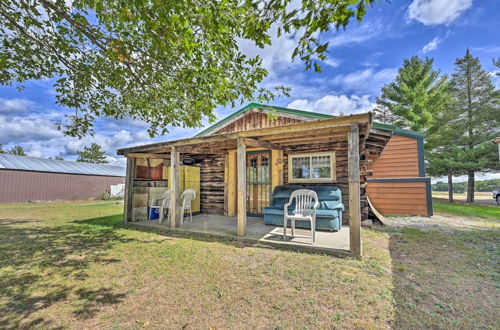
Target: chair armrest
(286, 208)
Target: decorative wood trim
(354, 191)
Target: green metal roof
(254, 105)
(398, 131)
(316, 115)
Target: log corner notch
(354, 191)
(242, 188)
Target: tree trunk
(450, 188)
(470, 187)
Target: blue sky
(360, 61)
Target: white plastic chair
(187, 197)
(165, 204)
(306, 203)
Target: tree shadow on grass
(444, 279)
(43, 265)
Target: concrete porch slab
(334, 243)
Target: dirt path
(440, 222)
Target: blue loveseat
(328, 213)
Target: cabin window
(311, 167)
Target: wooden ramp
(374, 211)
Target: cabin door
(258, 182)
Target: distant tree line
(459, 114)
(15, 150)
(461, 187)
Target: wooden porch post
(174, 179)
(129, 182)
(242, 188)
(354, 198)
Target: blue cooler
(153, 212)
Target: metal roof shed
(24, 179)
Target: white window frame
(333, 168)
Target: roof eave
(345, 120)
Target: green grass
(72, 265)
(481, 211)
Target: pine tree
(1, 149)
(441, 151)
(474, 118)
(417, 93)
(17, 150)
(383, 113)
(92, 154)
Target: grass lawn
(71, 265)
(481, 211)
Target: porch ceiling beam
(262, 144)
(148, 155)
(308, 134)
(261, 132)
(317, 139)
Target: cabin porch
(233, 185)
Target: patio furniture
(162, 203)
(186, 198)
(328, 213)
(305, 203)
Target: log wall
(212, 183)
(340, 149)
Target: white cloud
(37, 132)
(367, 81)
(335, 104)
(15, 105)
(431, 45)
(333, 62)
(23, 129)
(277, 57)
(434, 12)
(364, 31)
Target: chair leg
(181, 215)
(284, 228)
(293, 227)
(160, 219)
(191, 214)
(313, 229)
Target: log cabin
(367, 161)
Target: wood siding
(398, 160)
(256, 119)
(397, 186)
(399, 198)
